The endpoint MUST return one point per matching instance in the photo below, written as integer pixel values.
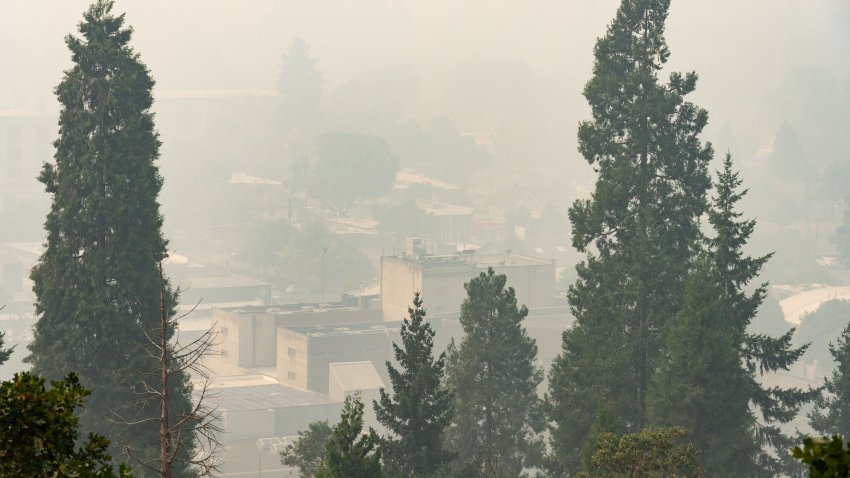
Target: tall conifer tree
(498, 418)
(419, 409)
(759, 353)
(700, 385)
(640, 228)
(97, 283)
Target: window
(291, 352)
(224, 353)
(223, 331)
(290, 375)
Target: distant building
(454, 222)
(305, 353)
(440, 278)
(248, 335)
(25, 144)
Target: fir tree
(4, 353)
(349, 453)
(419, 410)
(642, 220)
(97, 283)
(759, 353)
(498, 415)
(701, 386)
(831, 415)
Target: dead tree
(200, 421)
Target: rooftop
(347, 329)
(438, 208)
(223, 281)
(262, 397)
(469, 258)
(286, 309)
(350, 376)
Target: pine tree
(760, 353)
(498, 415)
(831, 415)
(419, 410)
(97, 283)
(642, 220)
(350, 453)
(700, 385)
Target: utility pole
(324, 251)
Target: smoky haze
(462, 117)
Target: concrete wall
(250, 339)
(399, 279)
(442, 289)
(534, 284)
(292, 355)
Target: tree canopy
(97, 283)
(639, 228)
(39, 433)
(498, 417)
(419, 408)
(349, 452)
(349, 166)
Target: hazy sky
(193, 44)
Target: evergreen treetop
(350, 453)
(419, 409)
(97, 284)
(831, 415)
(759, 353)
(498, 415)
(640, 228)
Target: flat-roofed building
(305, 352)
(440, 279)
(248, 335)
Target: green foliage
(419, 410)
(759, 353)
(349, 453)
(642, 220)
(649, 454)
(826, 457)
(4, 353)
(770, 320)
(308, 452)
(831, 414)
(498, 415)
(701, 385)
(38, 431)
(818, 328)
(97, 284)
(348, 167)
